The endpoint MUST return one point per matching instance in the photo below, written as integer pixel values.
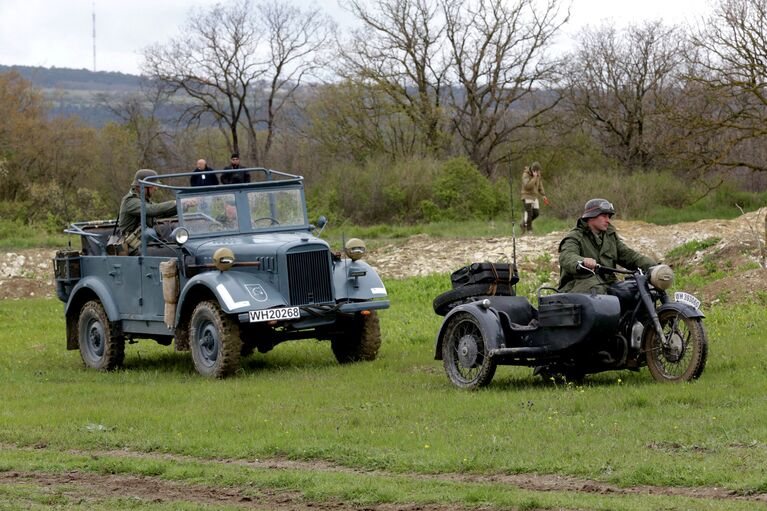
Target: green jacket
(610, 250)
(130, 211)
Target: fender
(356, 280)
(489, 323)
(236, 291)
(102, 292)
(682, 308)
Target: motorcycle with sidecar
(570, 335)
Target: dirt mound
(29, 273)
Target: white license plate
(687, 298)
(281, 314)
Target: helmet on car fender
(355, 249)
(661, 276)
(223, 258)
(596, 207)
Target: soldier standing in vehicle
(532, 194)
(130, 211)
(594, 241)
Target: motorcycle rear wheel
(465, 353)
(681, 356)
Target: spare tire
(464, 294)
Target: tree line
(417, 93)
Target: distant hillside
(79, 91)
(77, 79)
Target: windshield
(244, 212)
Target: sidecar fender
(682, 308)
(488, 320)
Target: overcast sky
(59, 32)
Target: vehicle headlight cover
(223, 258)
(355, 249)
(180, 235)
(661, 276)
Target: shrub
(463, 193)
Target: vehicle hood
(245, 245)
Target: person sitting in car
(130, 211)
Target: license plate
(687, 298)
(281, 314)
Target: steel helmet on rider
(596, 207)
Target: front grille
(309, 277)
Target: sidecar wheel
(465, 353)
(681, 356)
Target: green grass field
(390, 432)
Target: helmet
(223, 258)
(143, 174)
(596, 207)
(355, 248)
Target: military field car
(239, 268)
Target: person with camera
(532, 195)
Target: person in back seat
(130, 211)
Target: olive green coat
(130, 211)
(607, 250)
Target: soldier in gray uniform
(130, 211)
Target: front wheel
(101, 347)
(465, 353)
(681, 354)
(360, 340)
(215, 341)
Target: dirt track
(28, 273)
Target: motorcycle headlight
(355, 249)
(661, 276)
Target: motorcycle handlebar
(599, 269)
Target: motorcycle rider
(594, 241)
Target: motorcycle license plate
(281, 314)
(687, 298)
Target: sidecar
(565, 328)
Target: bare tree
(241, 65)
(398, 51)
(138, 113)
(498, 54)
(622, 85)
(728, 75)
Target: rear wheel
(215, 341)
(100, 346)
(465, 353)
(681, 354)
(360, 340)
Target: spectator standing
(203, 175)
(239, 177)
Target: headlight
(355, 249)
(180, 234)
(661, 276)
